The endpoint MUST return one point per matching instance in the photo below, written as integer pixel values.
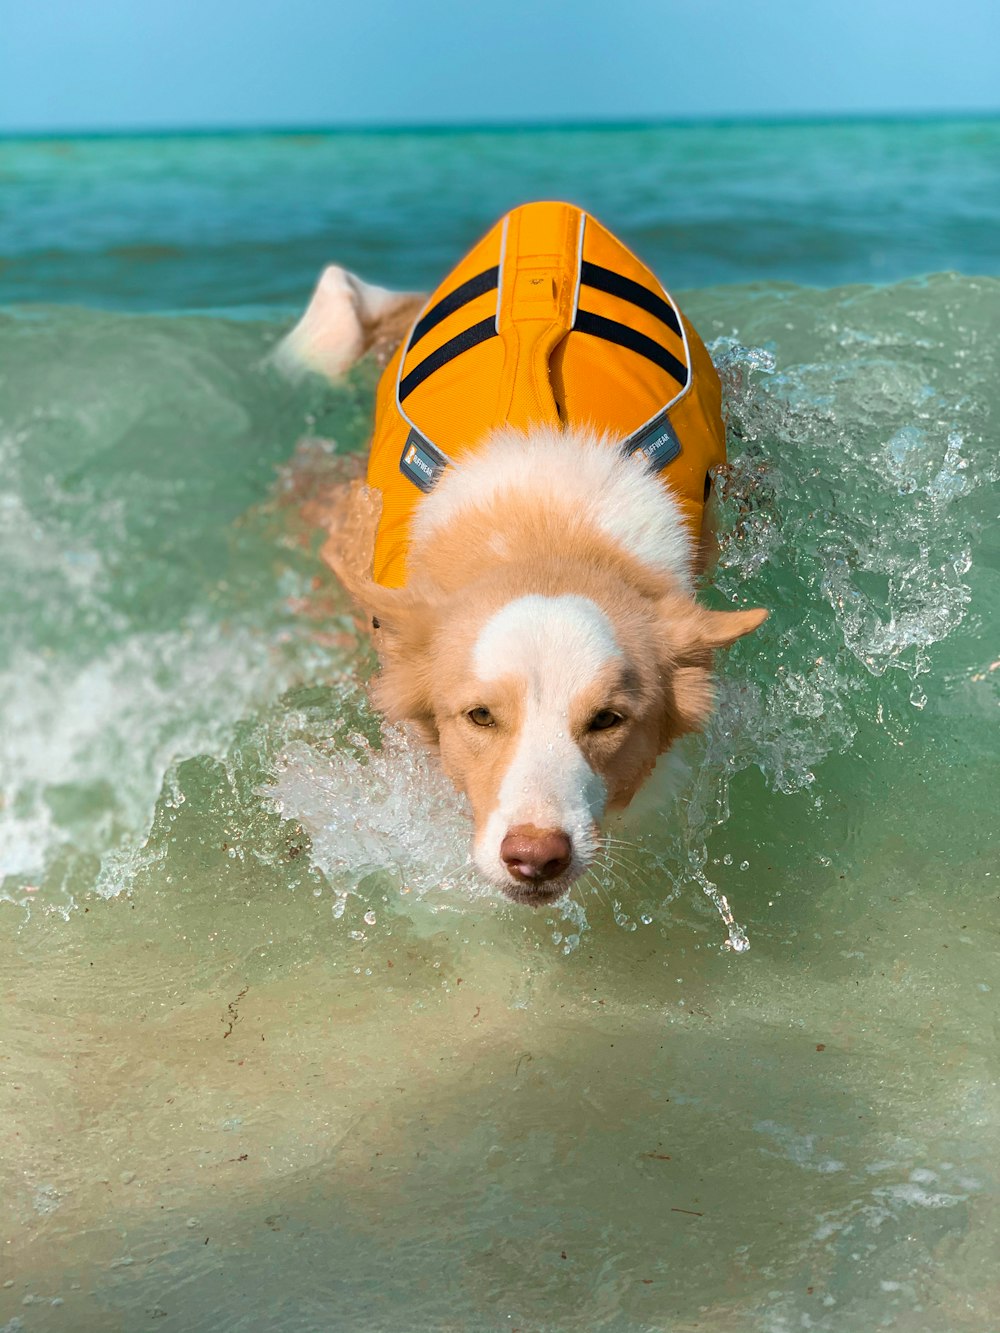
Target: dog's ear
(692, 633)
(391, 610)
(689, 636)
(405, 621)
(350, 512)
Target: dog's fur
(551, 585)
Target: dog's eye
(482, 717)
(605, 720)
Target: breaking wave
(164, 607)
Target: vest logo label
(421, 462)
(655, 445)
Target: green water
(272, 1059)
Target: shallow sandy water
(222, 1113)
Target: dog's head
(548, 707)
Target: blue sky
(148, 64)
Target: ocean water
(271, 1057)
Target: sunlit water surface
(271, 1057)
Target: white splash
(368, 810)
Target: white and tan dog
(531, 528)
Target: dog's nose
(532, 855)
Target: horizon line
(580, 124)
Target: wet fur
(482, 543)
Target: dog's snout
(534, 855)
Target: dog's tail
(345, 318)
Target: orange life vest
(548, 320)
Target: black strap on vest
(598, 326)
(487, 281)
(616, 284)
(613, 332)
(470, 337)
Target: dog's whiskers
(622, 853)
(631, 869)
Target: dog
(527, 540)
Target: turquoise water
(271, 1057)
(217, 222)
